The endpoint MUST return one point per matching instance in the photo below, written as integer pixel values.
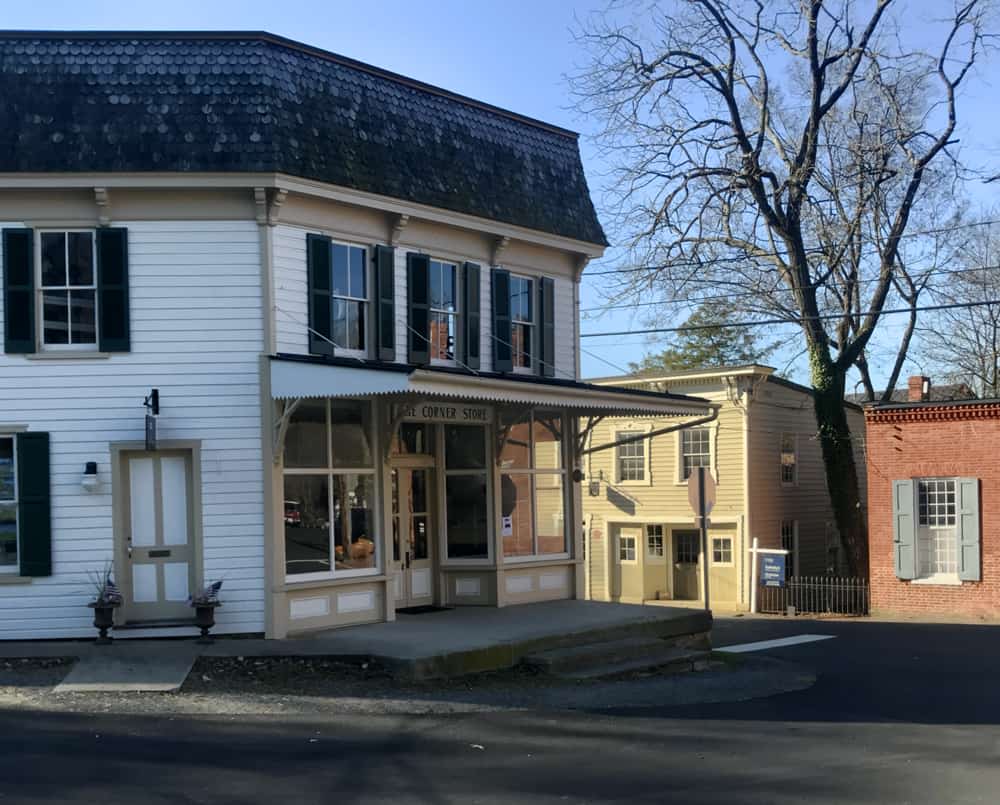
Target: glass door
(412, 545)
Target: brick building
(934, 505)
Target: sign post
(701, 496)
(772, 569)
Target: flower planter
(104, 619)
(204, 618)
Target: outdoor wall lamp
(89, 480)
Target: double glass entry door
(412, 540)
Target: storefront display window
(533, 486)
(466, 492)
(329, 485)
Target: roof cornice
(933, 412)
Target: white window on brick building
(937, 536)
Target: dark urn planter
(104, 619)
(204, 619)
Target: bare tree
(778, 150)
(963, 343)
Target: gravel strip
(234, 686)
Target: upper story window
(443, 310)
(350, 297)
(8, 506)
(68, 289)
(789, 459)
(695, 450)
(630, 457)
(522, 321)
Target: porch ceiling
(293, 379)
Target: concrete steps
(610, 658)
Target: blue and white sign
(772, 570)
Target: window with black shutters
(67, 283)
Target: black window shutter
(470, 315)
(503, 360)
(18, 291)
(418, 277)
(320, 269)
(34, 524)
(112, 289)
(385, 303)
(547, 327)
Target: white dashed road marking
(763, 645)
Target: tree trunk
(838, 459)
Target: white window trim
(40, 344)
(618, 549)
(369, 301)
(13, 570)
(942, 579)
(713, 458)
(527, 370)
(795, 440)
(629, 429)
(457, 314)
(732, 550)
(652, 558)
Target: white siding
(196, 335)
(566, 314)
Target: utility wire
(798, 320)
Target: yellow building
(764, 455)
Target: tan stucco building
(764, 455)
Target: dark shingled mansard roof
(254, 102)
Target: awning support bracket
(694, 423)
(584, 434)
(284, 410)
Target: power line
(753, 295)
(910, 234)
(763, 322)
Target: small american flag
(111, 592)
(210, 594)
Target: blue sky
(514, 54)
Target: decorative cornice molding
(397, 223)
(500, 244)
(274, 211)
(260, 203)
(934, 413)
(103, 201)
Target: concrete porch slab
(472, 639)
(148, 667)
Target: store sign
(448, 413)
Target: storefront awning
(295, 378)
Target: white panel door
(159, 527)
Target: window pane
(55, 312)
(549, 512)
(53, 258)
(517, 517)
(81, 258)
(350, 428)
(355, 338)
(686, 547)
(414, 437)
(468, 525)
(8, 535)
(442, 336)
(464, 447)
(305, 439)
(548, 441)
(418, 499)
(6, 469)
(353, 507)
(341, 270)
(516, 452)
(521, 337)
(434, 277)
(449, 286)
(358, 285)
(82, 317)
(339, 330)
(307, 524)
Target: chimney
(918, 389)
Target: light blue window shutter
(968, 529)
(904, 529)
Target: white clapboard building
(355, 297)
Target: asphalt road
(899, 714)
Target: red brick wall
(918, 445)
